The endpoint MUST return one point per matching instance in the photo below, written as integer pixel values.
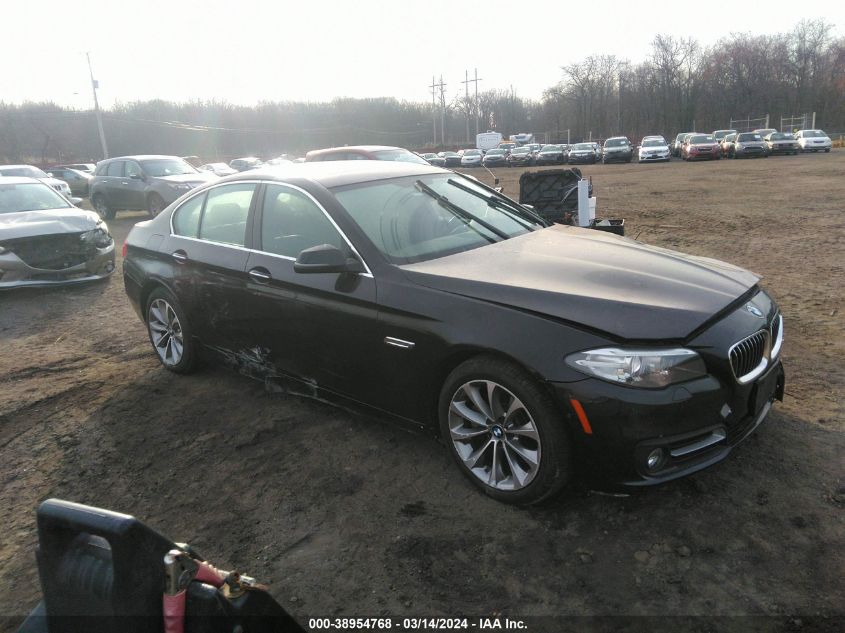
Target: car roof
(140, 157)
(348, 148)
(19, 166)
(19, 180)
(337, 173)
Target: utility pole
(433, 111)
(475, 105)
(442, 87)
(465, 82)
(94, 86)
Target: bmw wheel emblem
(754, 310)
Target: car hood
(33, 223)
(619, 286)
(189, 178)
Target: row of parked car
(758, 143)
(687, 145)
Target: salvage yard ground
(343, 515)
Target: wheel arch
(462, 353)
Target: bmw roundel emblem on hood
(754, 310)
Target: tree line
(680, 86)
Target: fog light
(655, 459)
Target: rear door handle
(180, 256)
(260, 275)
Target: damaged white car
(45, 240)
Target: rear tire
(155, 205)
(170, 332)
(102, 207)
(504, 431)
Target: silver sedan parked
(45, 240)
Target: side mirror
(137, 177)
(326, 259)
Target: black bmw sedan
(416, 292)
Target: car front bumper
(653, 158)
(587, 158)
(696, 424)
(15, 273)
(620, 157)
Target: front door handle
(260, 275)
(180, 256)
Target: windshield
(814, 134)
(653, 142)
(30, 197)
(583, 146)
(25, 171)
(167, 167)
(701, 138)
(749, 136)
(616, 142)
(550, 148)
(521, 150)
(496, 152)
(405, 221)
(472, 152)
(507, 145)
(781, 136)
(400, 155)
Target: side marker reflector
(582, 416)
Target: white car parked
(653, 149)
(813, 141)
(472, 158)
(28, 171)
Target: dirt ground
(343, 515)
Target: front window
(159, 167)
(550, 148)
(814, 134)
(781, 136)
(404, 219)
(496, 152)
(701, 138)
(653, 143)
(23, 172)
(30, 197)
(472, 152)
(616, 142)
(748, 137)
(582, 146)
(400, 155)
(521, 150)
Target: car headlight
(99, 237)
(644, 368)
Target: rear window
(115, 168)
(400, 155)
(25, 172)
(225, 215)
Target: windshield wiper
(461, 213)
(519, 214)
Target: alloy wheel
(494, 435)
(165, 332)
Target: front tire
(170, 333)
(504, 431)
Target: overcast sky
(245, 52)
